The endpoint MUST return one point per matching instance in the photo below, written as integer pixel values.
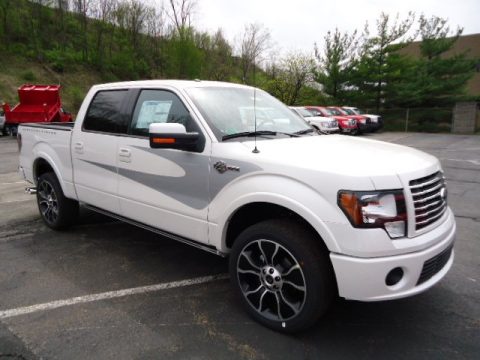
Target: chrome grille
(429, 198)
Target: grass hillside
(18, 70)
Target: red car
(347, 125)
(363, 122)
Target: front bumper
(365, 127)
(349, 129)
(364, 279)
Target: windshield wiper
(302, 132)
(248, 134)
(257, 133)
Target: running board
(193, 243)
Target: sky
(295, 25)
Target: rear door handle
(78, 146)
(125, 155)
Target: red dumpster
(38, 103)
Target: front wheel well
(256, 212)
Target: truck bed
(62, 126)
(48, 141)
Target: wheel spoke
(261, 250)
(241, 271)
(274, 253)
(42, 195)
(298, 287)
(250, 261)
(44, 212)
(278, 307)
(294, 267)
(43, 202)
(261, 301)
(47, 213)
(293, 307)
(253, 291)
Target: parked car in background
(2, 121)
(376, 120)
(322, 123)
(345, 124)
(363, 122)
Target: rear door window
(105, 113)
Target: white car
(376, 120)
(302, 219)
(324, 124)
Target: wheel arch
(253, 212)
(42, 165)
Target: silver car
(321, 123)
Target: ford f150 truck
(183, 159)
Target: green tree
(335, 62)
(436, 78)
(292, 76)
(254, 42)
(379, 63)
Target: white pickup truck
(302, 219)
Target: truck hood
(384, 163)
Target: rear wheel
(282, 274)
(57, 211)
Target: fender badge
(222, 167)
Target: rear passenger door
(163, 188)
(94, 150)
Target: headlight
(376, 209)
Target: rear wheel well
(40, 167)
(253, 213)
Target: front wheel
(282, 274)
(57, 211)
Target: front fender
(305, 201)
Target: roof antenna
(255, 151)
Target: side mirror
(171, 136)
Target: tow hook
(31, 190)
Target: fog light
(394, 276)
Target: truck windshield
(233, 110)
(304, 112)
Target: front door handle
(125, 155)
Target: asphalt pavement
(108, 290)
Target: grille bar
(426, 183)
(429, 199)
(431, 219)
(426, 213)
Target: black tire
(301, 274)
(57, 211)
